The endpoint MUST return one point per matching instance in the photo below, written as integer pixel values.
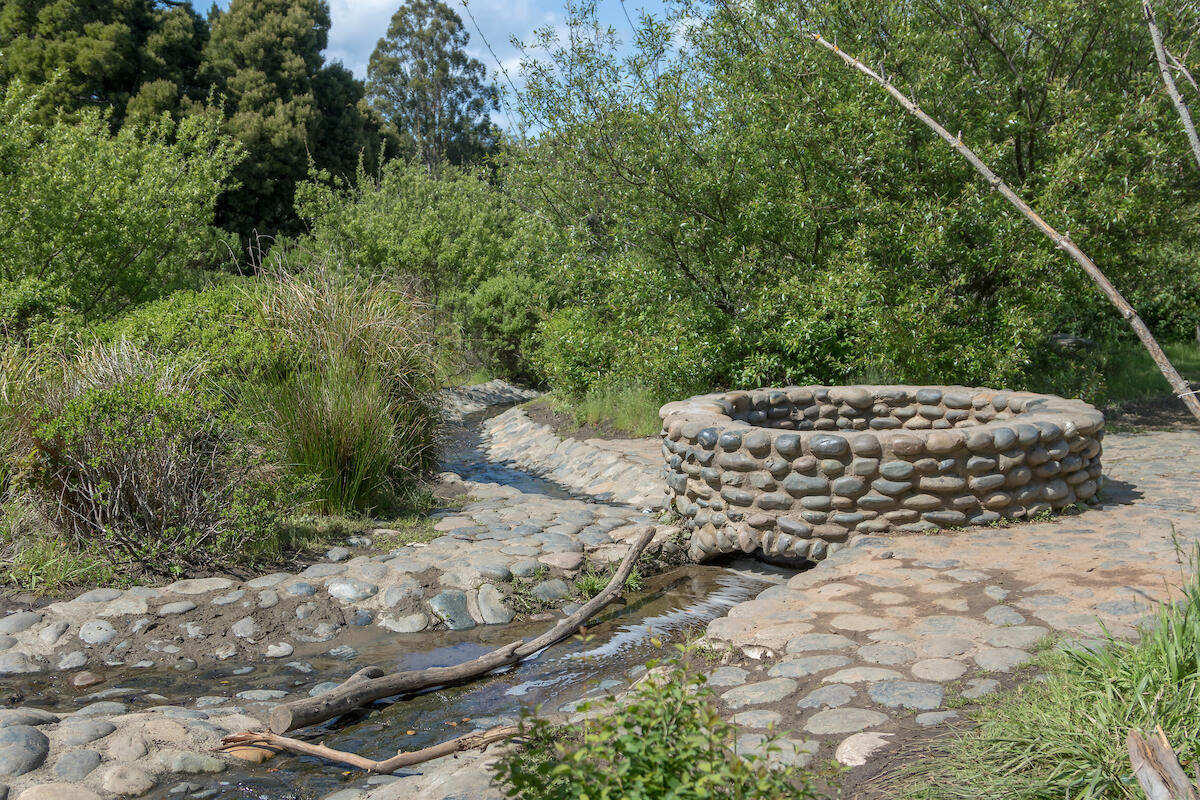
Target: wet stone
(492, 606)
(451, 607)
(907, 694)
(831, 696)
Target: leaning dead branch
(371, 684)
(1062, 241)
(1160, 51)
(274, 743)
(1157, 768)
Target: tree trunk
(1181, 387)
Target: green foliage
(360, 414)
(423, 82)
(1065, 736)
(220, 331)
(665, 740)
(285, 105)
(94, 223)
(632, 411)
(468, 246)
(123, 455)
(128, 57)
(1130, 373)
(731, 187)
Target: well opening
(796, 472)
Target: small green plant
(1064, 736)
(591, 582)
(665, 739)
(523, 599)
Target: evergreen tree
(421, 79)
(100, 55)
(284, 105)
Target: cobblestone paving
(885, 634)
(897, 629)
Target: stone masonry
(795, 472)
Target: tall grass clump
(361, 416)
(1065, 737)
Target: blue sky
(358, 24)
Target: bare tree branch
(1180, 386)
(1160, 52)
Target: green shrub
(125, 455)
(1064, 736)
(473, 251)
(219, 331)
(665, 740)
(96, 222)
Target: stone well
(796, 472)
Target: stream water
(672, 607)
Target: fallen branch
(1157, 768)
(275, 743)
(1160, 52)
(371, 684)
(1181, 387)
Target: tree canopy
(422, 80)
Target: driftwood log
(371, 683)
(1157, 768)
(275, 743)
(1063, 242)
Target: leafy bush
(125, 455)
(731, 176)
(95, 223)
(474, 252)
(1065, 736)
(220, 331)
(664, 741)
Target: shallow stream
(671, 608)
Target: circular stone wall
(796, 472)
